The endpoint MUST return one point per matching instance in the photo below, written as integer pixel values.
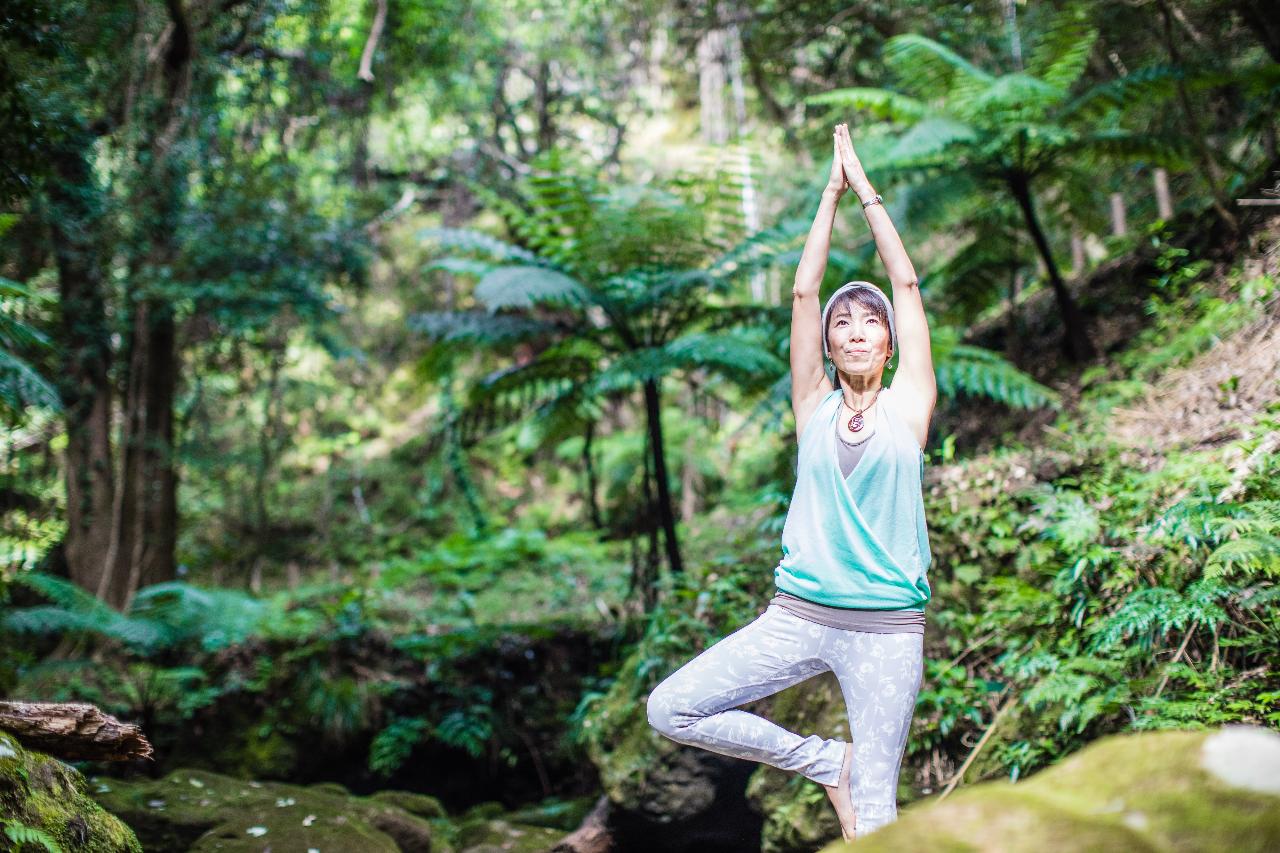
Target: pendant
(855, 422)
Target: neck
(859, 390)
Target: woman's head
(859, 335)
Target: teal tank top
(860, 542)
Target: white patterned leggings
(879, 675)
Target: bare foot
(842, 798)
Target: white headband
(859, 285)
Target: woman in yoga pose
(851, 585)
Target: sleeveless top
(861, 542)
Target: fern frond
(77, 610)
(928, 68)
(1249, 556)
(927, 142)
(973, 370)
(217, 618)
(1009, 98)
(881, 103)
(465, 266)
(478, 242)
(1127, 146)
(21, 835)
(21, 385)
(479, 327)
(527, 286)
(1152, 84)
(1060, 54)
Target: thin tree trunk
(84, 384)
(653, 410)
(1076, 343)
(588, 464)
(1164, 201)
(1119, 222)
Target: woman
(852, 580)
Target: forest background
(411, 378)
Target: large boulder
(46, 795)
(1177, 790)
(201, 811)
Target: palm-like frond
(479, 327)
(1008, 98)
(217, 618)
(1061, 52)
(929, 69)
(469, 240)
(1126, 146)
(973, 370)
(1146, 84)
(881, 103)
(928, 142)
(528, 286)
(22, 386)
(75, 610)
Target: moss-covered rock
(1177, 790)
(43, 793)
(201, 811)
(487, 835)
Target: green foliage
(21, 835)
(21, 385)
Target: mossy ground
(197, 810)
(45, 794)
(1134, 792)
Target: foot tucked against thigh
(697, 705)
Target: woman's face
(859, 340)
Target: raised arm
(809, 382)
(914, 383)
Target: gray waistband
(870, 621)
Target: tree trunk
(146, 507)
(1076, 343)
(1119, 222)
(666, 514)
(588, 464)
(74, 732)
(1164, 201)
(83, 384)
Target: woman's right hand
(837, 183)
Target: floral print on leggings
(879, 675)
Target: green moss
(1136, 792)
(199, 810)
(415, 804)
(44, 793)
(499, 836)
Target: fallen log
(73, 731)
(593, 836)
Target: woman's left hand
(853, 170)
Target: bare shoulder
(915, 406)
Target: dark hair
(859, 296)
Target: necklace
(856, 423)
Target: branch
(73, 731)
(366, 59)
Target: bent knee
(663, 712)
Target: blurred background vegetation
(411, 377)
